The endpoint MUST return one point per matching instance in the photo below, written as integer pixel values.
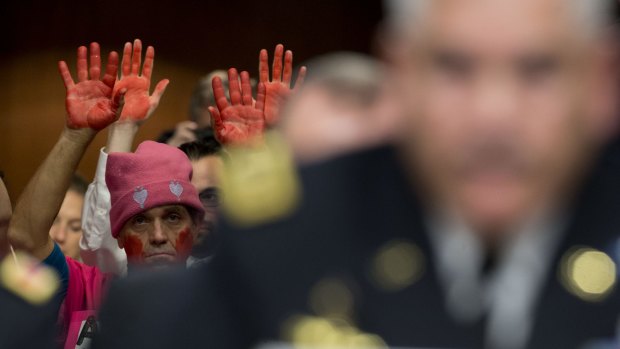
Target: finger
(118, 101)
(65, 74)
(148, 63)
(136, 57)
(263, 66)
(219, 94)
(126, 63)
(246, 88)
(111, 70)
(276, 75)
(288, 68)
(160, 88)
(95, 61)
(234, 90)
(260, 97)
(187, 125)
(301, 76)
(82, 64)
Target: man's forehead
(164, 209)
(498, 15)
(499, 26)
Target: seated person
(98, 247)
(155, 211)
(67, 228)
(25, 322)
(198, 127)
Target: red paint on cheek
(184, 243)
(133, 249)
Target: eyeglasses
(210, 197)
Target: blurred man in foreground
(490, 224)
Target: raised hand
(138, 104)
(89, 102)
(279, 87)
(242, 120)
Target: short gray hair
(400, 13)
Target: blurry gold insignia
(588, 273)
(28, 278)
(331, 298)
(397, 265)
(259, 184)
(312, 331)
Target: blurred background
(191, 38)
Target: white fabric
(509, 294)
(97, 246)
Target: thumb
(160, 88)
(216, 118)
(118, 101)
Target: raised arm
(97, 246)
(139, 105)
(91, 106)
(242, 120)
(278, 88)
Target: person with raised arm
(97, 246)
(244, 119)
(155, 212)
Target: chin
(496, 211)
(161, 260)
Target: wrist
(124, 128)
(121, 136)
(80, 136)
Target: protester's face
(160, 236)
(5, 215)
(67, 227)
(506, 100)
(205, 180)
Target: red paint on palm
(184, 244)
(90, 102)
(89, 106)
(134, 249)
(139, 105)
(242, 120)
(278, 88)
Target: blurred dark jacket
(263, 275)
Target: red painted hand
(89, 102)
(138, 104)
(242, 120)
(279, 87)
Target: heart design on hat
(140, 194)
(176, 188)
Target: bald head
(590, 14)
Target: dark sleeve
(165, 136)
(198, 312)
(58, 262)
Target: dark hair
(78, 184)
(199, 149)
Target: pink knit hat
(155, 175)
